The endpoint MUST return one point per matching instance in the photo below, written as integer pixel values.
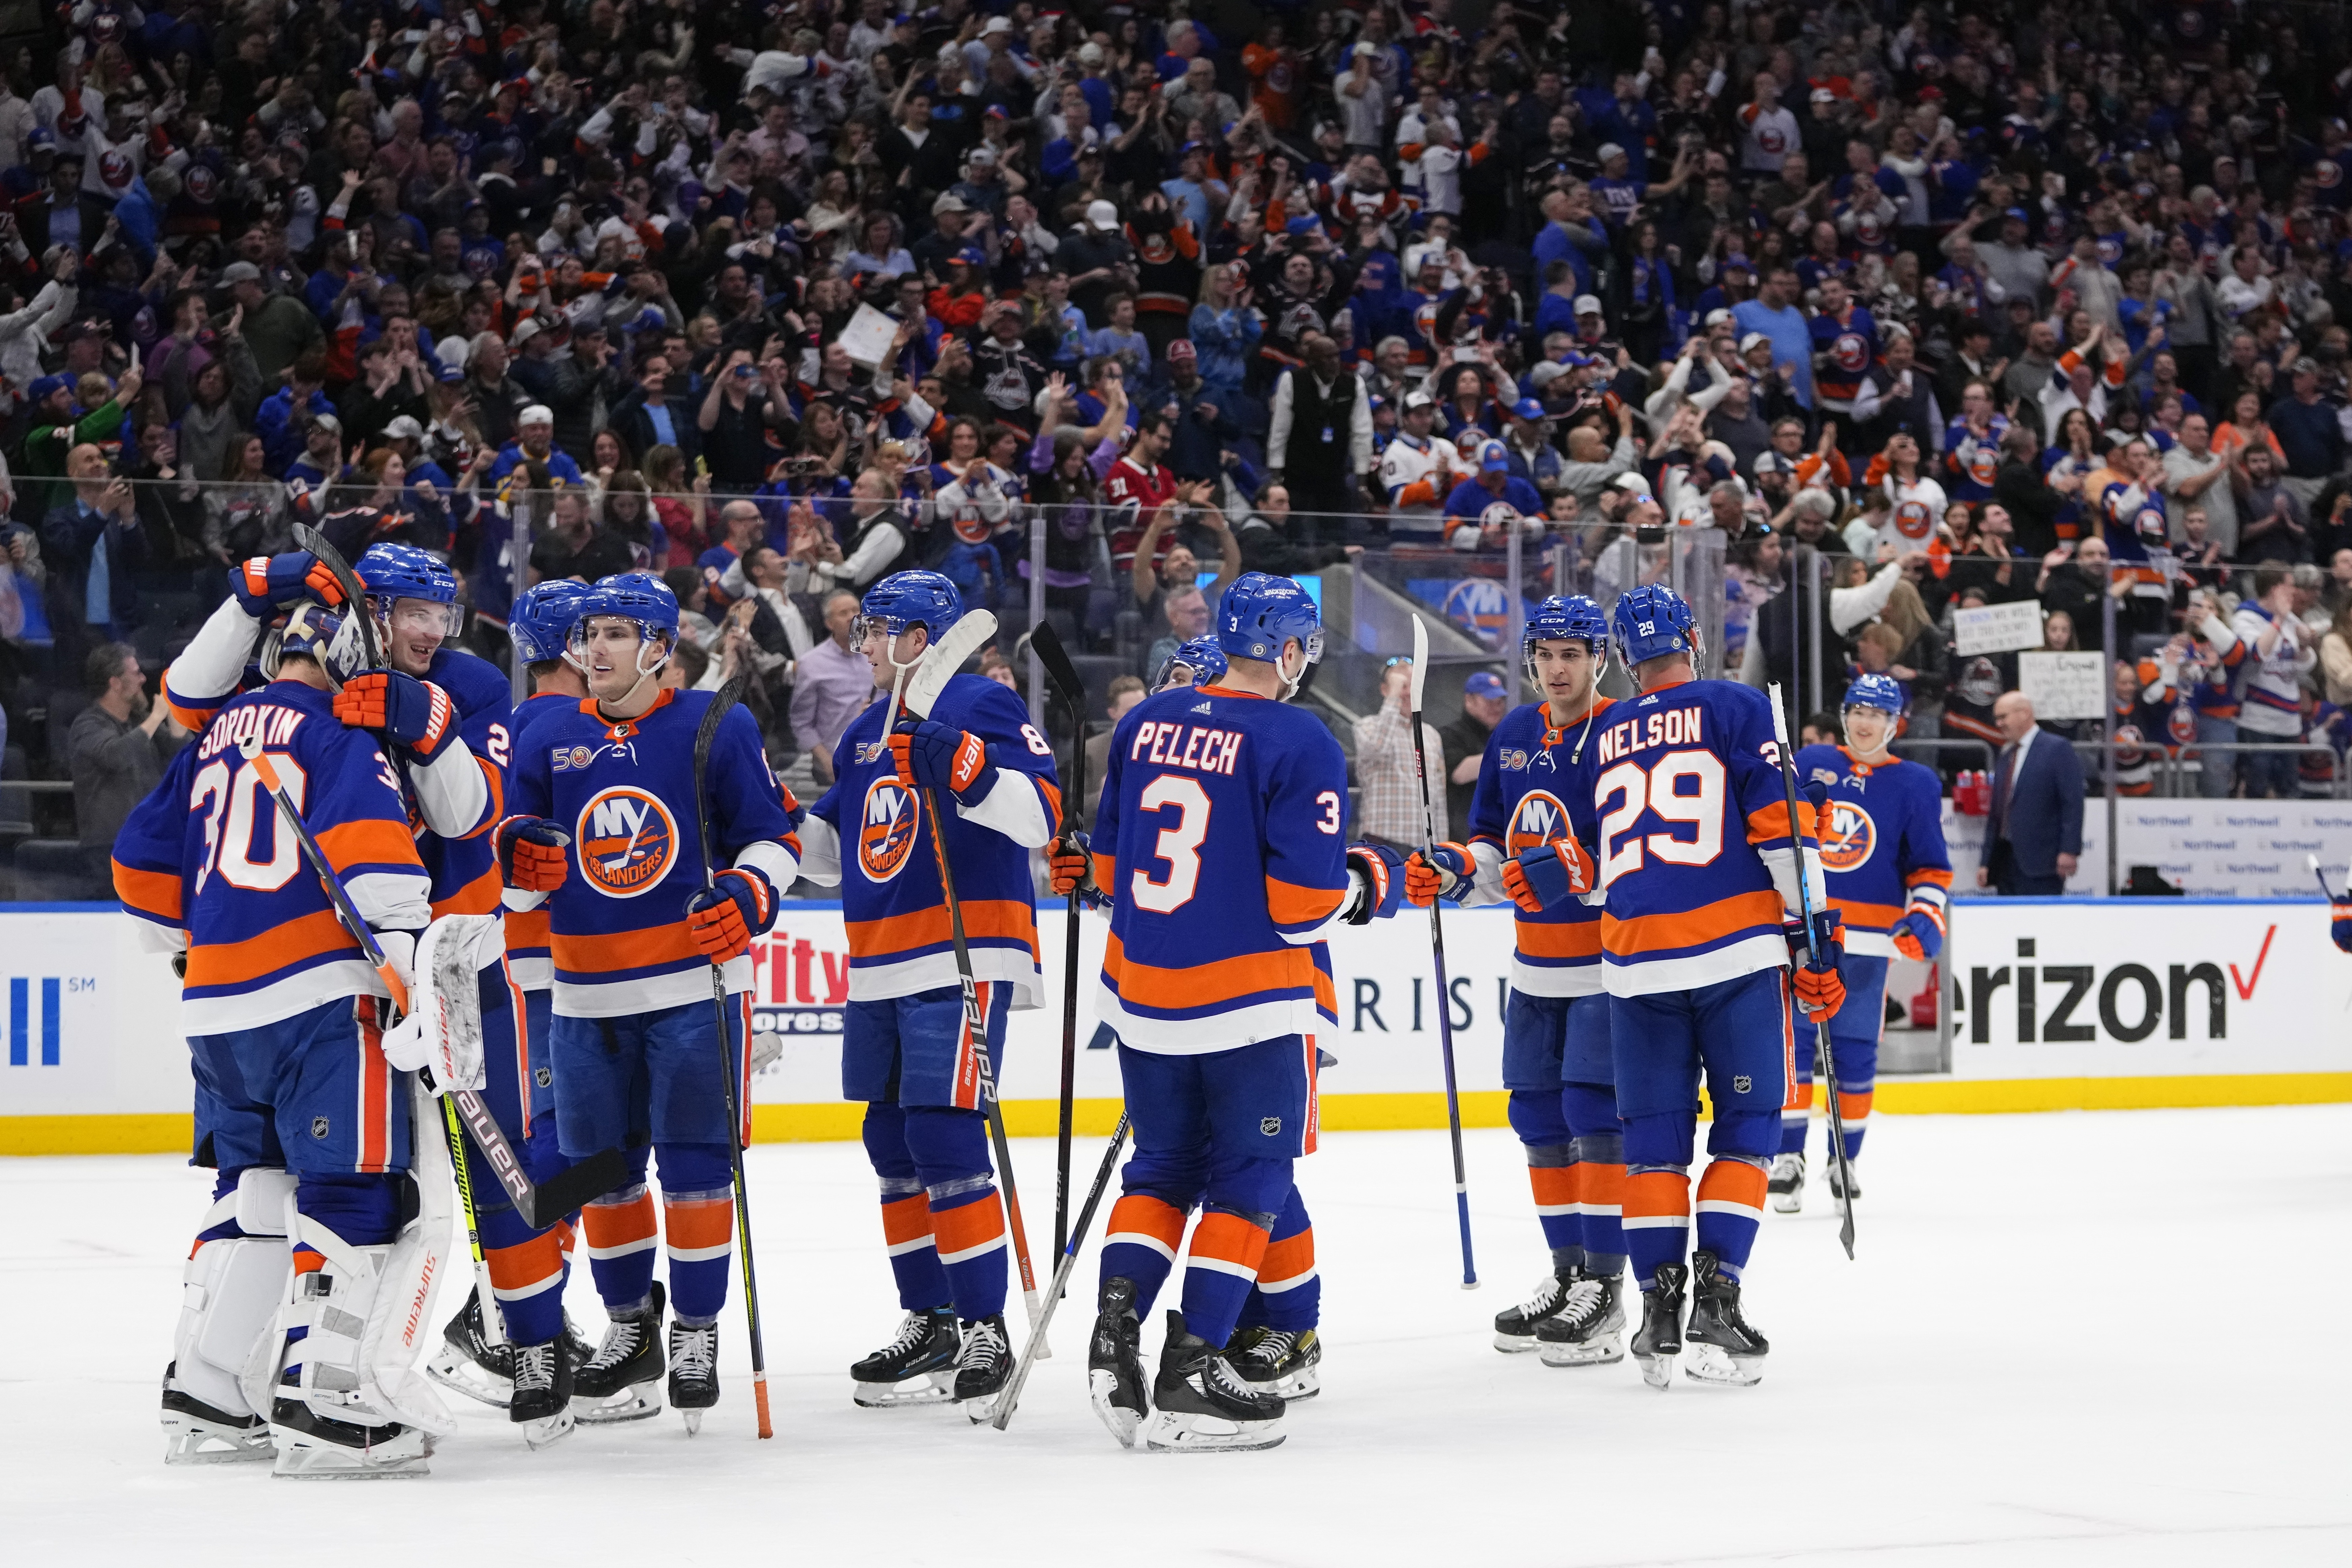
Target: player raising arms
(1220, 850)
(1882, 851)
(635, 1046)
(1556, 1047)
(906, 1049)
(294, 1095)
(1698, 862)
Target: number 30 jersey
(1694, 839)
(1221, 845)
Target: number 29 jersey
(1221, 844)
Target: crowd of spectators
(1984, 303)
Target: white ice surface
(2070, 1339)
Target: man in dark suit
(657, 414)
(2035, 832)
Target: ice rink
(2089, 1337)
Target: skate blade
(982, 1410)
(631, 1403)
(1788, 1203)
(300, 1459)
(931, 1388)
(693, 1419)
(1304, 1384)
(1603, 1348)
(190, 1441)
(1657, 1370)
(454, 1369)
(1712, 1363)
(1515, 1344)
(1179, 1432)
(1122, 1422)
(550, 1431)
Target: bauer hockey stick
(1821, 1024)
(1064, 677)
(708, 731)
(932, 667)
(1060, 1276)
(1437, 955)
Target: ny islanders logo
(1538, 818)
(628, 841)
(886, 835)
(1849, 838)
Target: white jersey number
(228, 845)
(1681, 787)
(1180, 845)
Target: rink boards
(2062, 1004)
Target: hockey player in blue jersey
(905, 1049)
(1221, 855)
(1697, 859)
(633, 933)
(1889, 879)
(298, 1109)
(1556, 1065)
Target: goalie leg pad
(230, 1293)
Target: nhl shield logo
(1741, 1083)
(319, 1127)
(628, 841)
(886, 835)
(1270, 1125)
(1849, 838)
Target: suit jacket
(2045, 819)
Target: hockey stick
(1061, 1278)
(1437, 955)
(932, 667)
(1821, 1024)
(728, 695)
(2313, 862)
(1064, 677)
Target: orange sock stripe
(1602, 1187)
(1554, 1186)
(1292, 1257)
(1657, 1194)
(1854, 1106)
(967, 1230)
(692, 1223)
(1228, 1242)
(567, 1236)
(1139, 1216)
(907, 1221)
(526, 1267)
(609, 1225)
(1733, 1180)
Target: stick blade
(567, 1190)
(1058, 667)
(1420, 660)
(942, 658)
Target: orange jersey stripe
(1768, 822)
(1868, 917)
(589, 953)
(1540, 939)
(1201, 985)
(1928, 875)
(1291, 905)
(153, 893)
(237, 963)
(369, 843)
(1708, 922)
(527, 928)
(983, 918)
(478, 897)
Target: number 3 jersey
(891, 901)
(1881, 836)
(1693, 839)
(206, 854)
(1530, 773)
(1221, 844)
(624, 790)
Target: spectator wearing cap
(1485, 699)
(58, 428)
(982, 188)
(1472, 519)
(1319, 438)
(1774, 315)
(320, 463)
(1526, 442)
(1099, 261)
(534, 447)
(960, 302)
(1205, 420)
(2309, 433)
(2004, 248)
(279, 328)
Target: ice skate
(982, 1366)
(1658, 1343)
(1115, 1362)
(1724, 1349)
(1515, 1327)
(1285, 1363)
(917, 1367)
(313, 1446)
(1787, 1185)
(1849, 1184)
(1202, 1404)
(541, 1405)
(693, 1372)
(195, 1433)
(466, 1362)
(1590, 1328)
(618, 1382)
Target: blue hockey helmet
(1881, 691)
(1652, 621)
(1261, 612)
(1201, 658)
(904, 599)
(394, 571)
(639, 596)
(543, 618)
(326, 636)
(1565, 617)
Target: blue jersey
(1535, 787)
(1882, 843)
(206, 854)
(464, 869)
(624, 789)
(527, 929)
(899, 940)
(1693, 839)
(1222, 844)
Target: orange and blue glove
(2339, 924)
(1384, 878)
(1916, 936)
(938, 756)
(267, 583)
(530, 853)
(405, 710)
(1440, 871)
(1545, 874)
(1071, 861)
(1819, 988)
(722, 919)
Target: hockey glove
(1440, 871)
(1916, 936)
(1072, 861)
(1819, 988)
(400, 958)
(408, 712)
(934, 756)
(1383, 873)
(531, 854)
(1544, 875)
(266, 583)
(724, 917)
(2339, 924)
